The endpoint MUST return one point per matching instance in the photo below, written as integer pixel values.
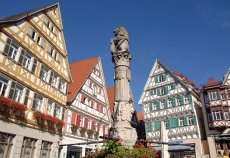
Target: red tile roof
(185, 80)
(139, 116)
(80, 71)
(110, 93)
(212, 82)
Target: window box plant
(74, 128)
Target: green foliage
(112, 149)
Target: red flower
(61, 123)
(53, 120)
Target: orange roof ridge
(80, 71)
(110, 93)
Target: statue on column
(122, 113)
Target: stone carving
(122, 113)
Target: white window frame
(154, 106)
(37, 102)
(162, 105)
(213, 95)
(57, 111)
(190, 120)
(32, 33)
(50, 107)
(178, 101)
(218, 115)
(82, 121)
(4, 83)
(222, 95)
(186, 100)
(44, 73)
(89, 124)
(28, 145)
(181, 122)
(169, 103)
(11, 49)
(18, 91)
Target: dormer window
(213, 95)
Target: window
(62, 86)
(186, 100)
(16, 91)
(50, 50)
(170, 103)
(154, 106)
(11, 49)
(226, 116)
(47, 22)
(31, 33)
(95, 90)
(162, 105)
(50, 107)
(41, 41)
(178, 101)
(44, 73)
(213, 95)
(6, 142)
(190, 121)
(222, 96)
(166, 124)
(209, 117)
(152, 92)
(3, 85)
(89, 124)
(206, 100)
(37, 103)
(181, 122)
(218, 115)
(53, 79)
(58, 58)
(25, 59)
(81, 121)
(28, 148)
(45, 149)
(57, 111)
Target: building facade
(215, 98)
(34, 75)
(170, 97)
(88, 115)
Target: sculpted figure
(121, 41)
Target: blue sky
(190, 37)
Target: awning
(175, 147)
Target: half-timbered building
(87, 116)
(170, 97)
(34, 75)
(215, 98)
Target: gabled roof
(226, 76)
(80, 71)
(23, 15)
(110, 92)
(179, 77)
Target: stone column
(122, 113)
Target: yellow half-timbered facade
(34, 78)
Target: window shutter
(194, 120)
(11, 95)
(169, 123)
(78, 120)
(190, 99)
(86, 123)
(186, 121)
(149, 127)
(176, 122)
(98, 127)
(173, 86)
(150, 107)
(34, 65)
(173, 102)
(164, 77)
(20, 61)
(166, 90)
(103, 130)
(92, 125)
(27, 96)
(229, 94)
(101, 108)
(158, 92)
(156, 79)
(181, 100)
(158, 105)
(90, 83)
(166, 104)
(152, 92)
(157, 125)
(82, 98)
(73, 118)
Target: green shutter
(149, 127)
(190, 99)
(176, 122)
(166, 104)
(150, 108)
(164, 77)
(186, 121)
(181, 100)
(157, 125)
(194, 120)
(173, 102)
(173, 86)
(158, 105)
(156, 79)
(166, 90)
(158, 92)
(152, 92)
